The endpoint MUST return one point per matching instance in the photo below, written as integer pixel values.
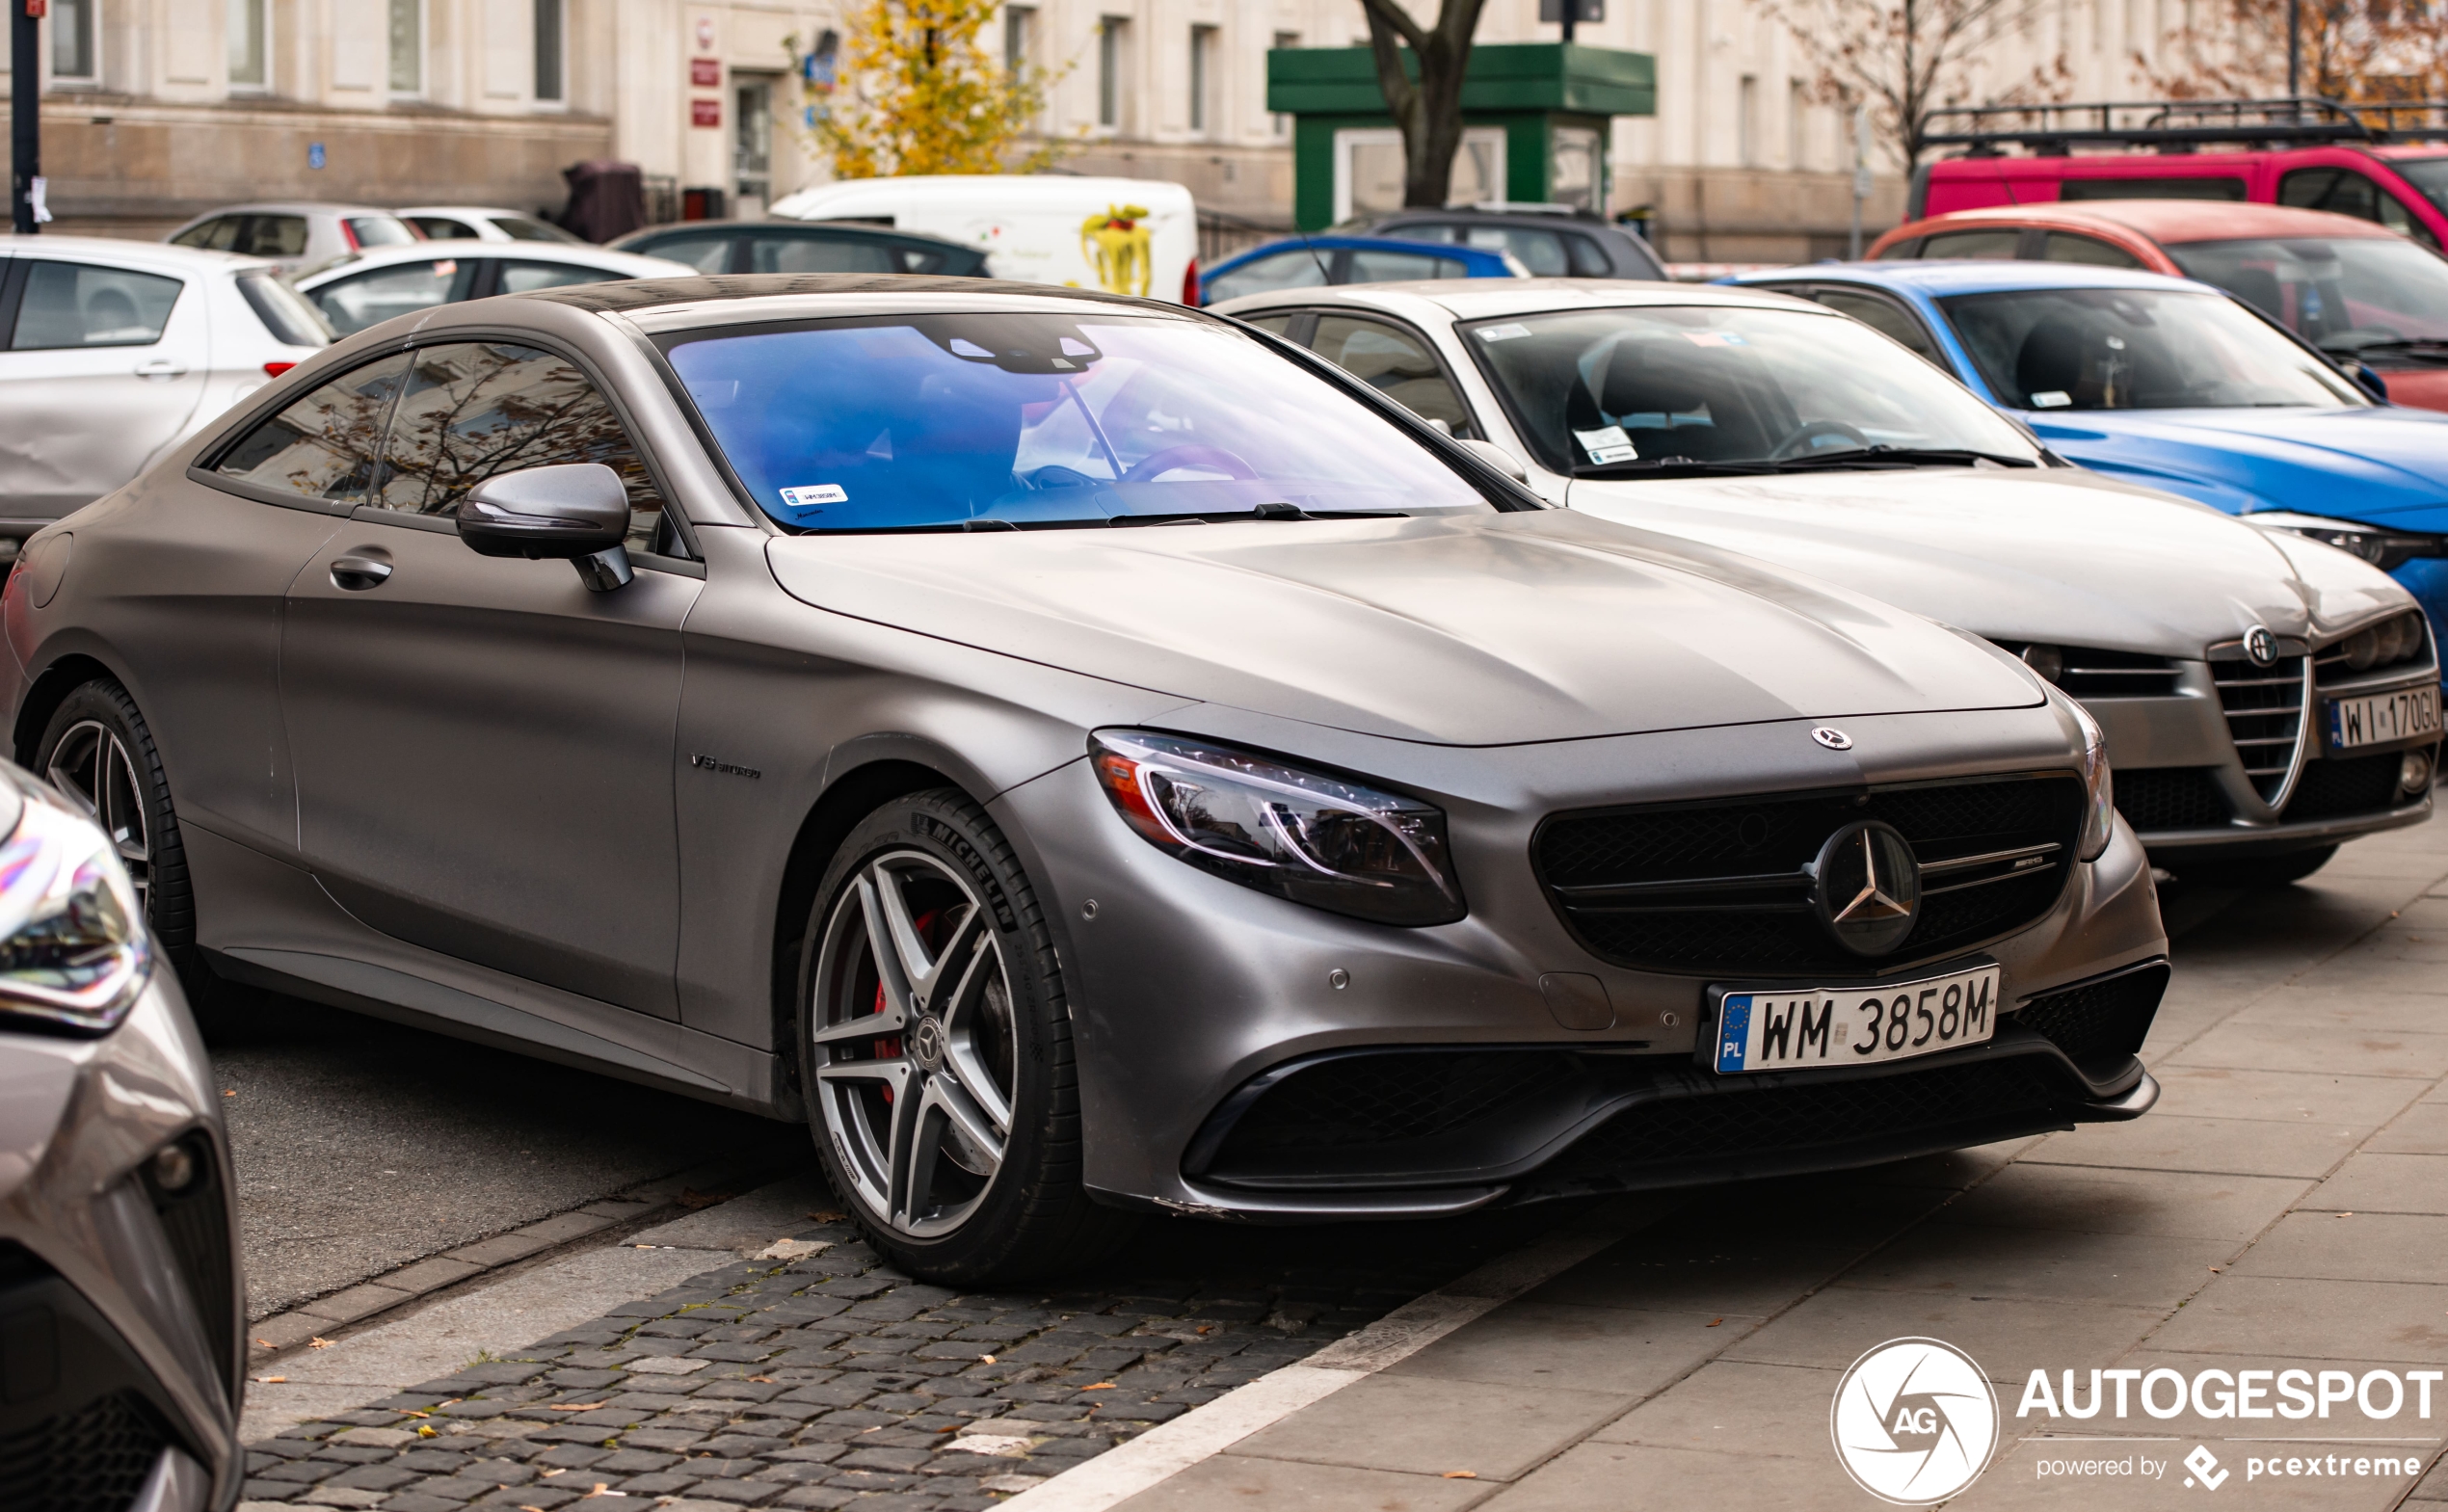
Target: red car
(2356, 291)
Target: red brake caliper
(887, 1046)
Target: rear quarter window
(80, 305)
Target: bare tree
(1907, 58)
(1429, 109)
(2364, 50)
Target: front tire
(935, 1052)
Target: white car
(116, 351)
(369, 288)
(2264, 697)
(463, 223)
(1057, 229)
(293, 233)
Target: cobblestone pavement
(832, 1380)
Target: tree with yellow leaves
(920, 95)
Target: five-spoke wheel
(89, 763)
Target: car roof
(634, 264)
(465, 209)
(989, 192)
(678, 304)
(2168, 222)
(292, 207)
(1950, 275)
(852, 229)
(1339, 240)
(1483, 299)
(116, 249)
(1551, 219)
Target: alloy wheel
(915, 1054)
(90, 766)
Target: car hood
(2052, 555)
(1481, 629)
(2386, 463)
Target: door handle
(160, 367)
(358, 573)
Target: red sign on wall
(704, 112)
(706, 74)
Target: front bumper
(1183, 987)
(121, 1313)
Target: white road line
(1170, 1448)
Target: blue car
(1306, 262)
(2173, 384)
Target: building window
(1797, 118)
(549, 51)
(249, 45)
(1203, 79)
(1020, 35)
(1283, 124)
(752, 147)
(1746, 123)
(72, 57)
(407, 46)
(1109, 36)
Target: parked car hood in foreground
(1488, 629)
(2054, 556)
(2388, 463)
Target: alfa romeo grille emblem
(1833, 739)
(1866, 887)
(1914, 1421)
(2261, 646)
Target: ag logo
(1914, 1421)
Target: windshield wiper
(1672, 468)
(2431, 347)
(1881, 457)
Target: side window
(1295, 268)
(1884, 318)
(441, 228)
(706, 252)
(1986, 244)
(367, 299)
(524, 278)
(325, 446)
(1376, 265)
(1281, 324)
(270, 236)
(1396, 363)
(213, 235)
(819, 255)
(1542, 252)
(919, 260)
(1589, 258)
(471, 410)
(2346, 191)
(1899, 251)
(2067, 247)
(77, 305)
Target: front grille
(2088, 671)
(93, 1459)
(1792, 1120)
(1718, 887)
(2335, 788)
(2264, 707)
(2171, 798)
(1361, 1101)
(2099, 1024)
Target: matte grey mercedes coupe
(1078, 755)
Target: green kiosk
(1535, 117)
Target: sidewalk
(2286, 1205)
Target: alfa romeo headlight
(73, 950)
(1321, 840)
(2385, 550)
(2099, 787)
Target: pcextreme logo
(1914, 1421)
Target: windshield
(936, 420)
(2341, 294)
(1629, 390)
(2137, 349)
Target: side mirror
(2368, 377)
(1497, 458)
(575, 512)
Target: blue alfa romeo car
(2173, 384)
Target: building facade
(156, 110)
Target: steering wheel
(1794, 444)
(1157, 463)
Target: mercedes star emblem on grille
(1832, 739)
(2261, 646)
(1868, 887)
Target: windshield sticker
(815, 493)
(1714, 338)
(1505, 333)
(1608, 445)
(2051, 399)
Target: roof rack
(2183, 125)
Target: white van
(1127, 236)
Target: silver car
(2265, 697)
(364, 289)
(1079, 759)
(295, 234)
(121, 1308)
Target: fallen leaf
(602, 1488)
(1715, 1321)
(1461, 1474)
(271, 1380)
(1100, 1385)
(318, 1344)
(2346, 1215)
(1206, 1328)
(691, 1197)
(826, 1217)
(426, 1430)
(985, 1358)
(413, 1413)
(231, 1093)
(955, 1428)
(575, 1406)
(2216, 1268)
(264, 1343)
(764, 1379)
(562, 1469)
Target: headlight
(2385, 550)
(2099, 789)
(73, 951)
(1316, 839)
